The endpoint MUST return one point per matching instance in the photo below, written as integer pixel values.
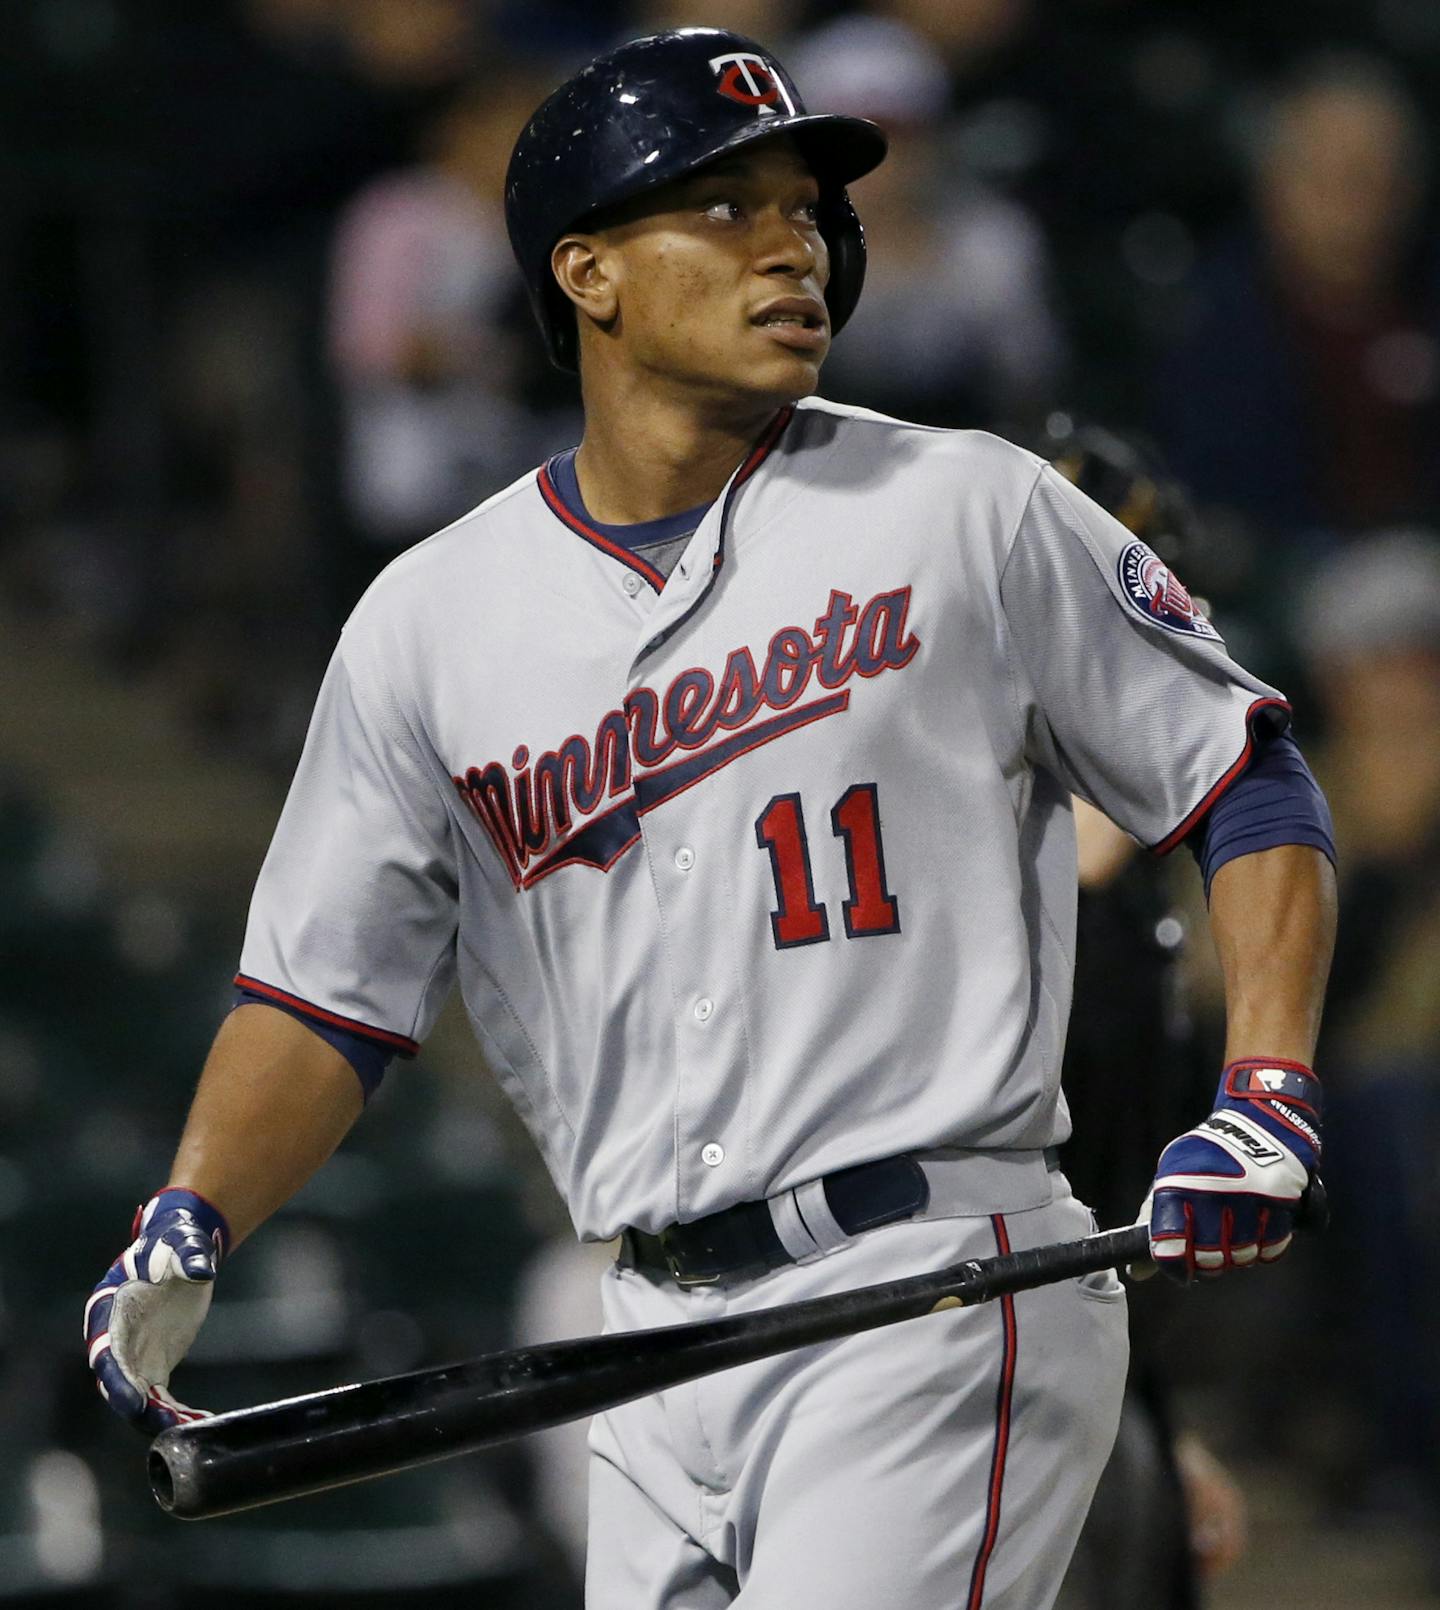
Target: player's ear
(584, 271)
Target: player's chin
(763, 375)
(783, 372)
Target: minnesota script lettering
(545, 814)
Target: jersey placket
(688, 879)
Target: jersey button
(704, 1008)
(684, 858)
(712, 1154)
(631, 583)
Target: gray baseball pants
(945, 1463)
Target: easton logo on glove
(1258, 1151)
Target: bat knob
(172, 1466)
(1313, 1214)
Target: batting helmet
(647, 113)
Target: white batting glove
(146, 1311)
(1226, 1192)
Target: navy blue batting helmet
(651, 111)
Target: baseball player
(726, 762)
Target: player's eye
(723, 211)
(809, 210)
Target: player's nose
(790, 246)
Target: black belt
(741, 1242)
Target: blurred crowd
(260, 330)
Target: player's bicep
(354, 913)
(1128, 690)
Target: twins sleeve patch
(1155, 592)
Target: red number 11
(799, 918)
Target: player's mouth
(795, 321)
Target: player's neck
(644, 458)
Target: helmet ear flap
(844, 237)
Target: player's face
(719, 286)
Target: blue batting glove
(145, 1313)
(1226, 1192)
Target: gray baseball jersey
(768, 869)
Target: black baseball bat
(306, 1444)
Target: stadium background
(259, 331)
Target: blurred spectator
(258, 114)
(1304, 389)
(427, 368)
(954, 327)
(964, 32)
(1041, 112)
(418, 44)
(1108, 121)
(1372, 628)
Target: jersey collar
(598, 537)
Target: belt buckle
(677, 1274)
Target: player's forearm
(1273, 917)
(274, 1101)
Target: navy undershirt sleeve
(368, 1058)
(1274, 801)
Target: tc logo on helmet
(749, 79)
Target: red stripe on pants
(1003, 1400)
